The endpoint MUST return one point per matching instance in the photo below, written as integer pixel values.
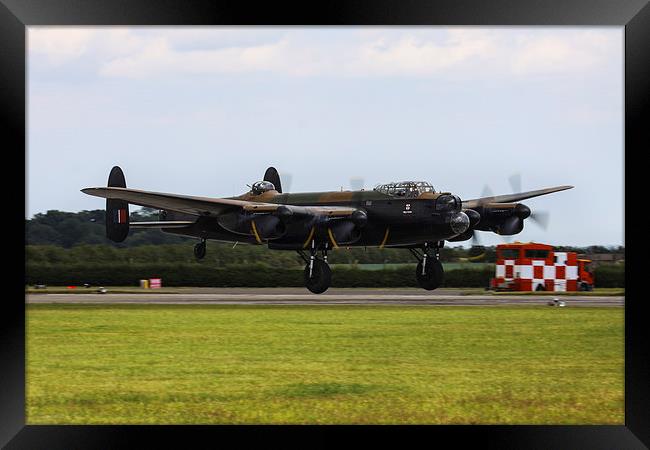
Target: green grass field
(140, 364)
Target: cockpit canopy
(261, 187)
(408, 189)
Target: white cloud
(60, 45)
(562, 53)
(157, 57)
(411, 54)
(143, 53)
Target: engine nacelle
(510, 226)
(474, 217)
(502, 218)
(343, 231)
(261, 226)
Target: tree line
(58, 237)
(65, 248)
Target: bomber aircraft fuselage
(407, 214)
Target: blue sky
(204, 110)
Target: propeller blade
(487, 192)
(356, 183)
(475, 240)
(287, 178)
(515, 182)
(541, 218)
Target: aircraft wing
(202, 206)
(509, 198)
(205, 206)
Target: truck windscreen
(509, 253)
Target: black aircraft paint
(117, 211)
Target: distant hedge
(263, 276)
(610, 275)
(250, 276)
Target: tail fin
(117, 211)
(273, 176)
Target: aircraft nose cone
(459, 222)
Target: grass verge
(133, 364)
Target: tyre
(433, 276)
(200, 250)
(321, 277)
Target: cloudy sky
(204, 110)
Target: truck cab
(530, 266)
(585, 275)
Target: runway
(333, 297)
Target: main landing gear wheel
(321, 276)
(200, 249)
(429, 271)
(433, 274)
(318, 275)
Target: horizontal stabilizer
(163, 224)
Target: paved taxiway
(343, 297)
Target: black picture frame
(16, 15)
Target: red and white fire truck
(537, 267)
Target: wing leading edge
(202, 206)
(509, 198)
(205, 206)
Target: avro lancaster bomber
(410, 215)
